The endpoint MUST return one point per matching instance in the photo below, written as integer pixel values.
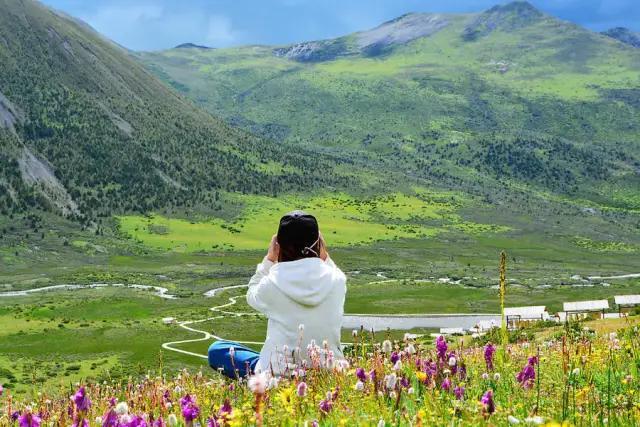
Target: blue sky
(160, 24)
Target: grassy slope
(428, 105)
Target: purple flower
(112, 402)
(404, 382)
(15, 415)
(462, 371)
(29, 419)
(82, 401)
(301, 390)
(372, 375)
(459, 392)
(361, 374)
(441, 347)
(489, 350)
(326, 405)
(446, 384)
(190, 412)
(225, 409)
(394, 357)
(159, 423)
(136, 421)
(110, 419)
(527, 375)
(488, 403)
(212, 422)
(186, 400)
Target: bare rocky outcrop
(402, 30)
(39, 174)
(9, 114)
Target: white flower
(397, 366)
(537, 420)
(575, 372)
(359, 385)
(392, 395)
(329, 395)
(452, 361)
(258, 383)
(273, 383)
(496, 376)
(122, 408)
(381, 423)
(390, 381)
(485, 376)
(172, 420)
(613, 335)
(410, 390)
(525, 345)
(325, 343)
(411, 349)
(513, 420)
(387, 346)
(354, 333)
(99, 420)
(177, 390)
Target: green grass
(344, 220)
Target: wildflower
(225, 410)
(361, 375)
(258, 383)
(390, 381)
(354, 333)
(537, 420)
(122, 408)
(381, 423)
(302, 389)
(441, 347)
(82, 401)
(446, 384)
(452, 361)
(489, 351)
(190, 411)
(387, 346)
(488, 403)
(172, 420)
(458, 392)
(496, 376)
(410, 390)
(82, 423)
(397, 366)
(359, 386)
(513, 420)
(393, 395)
(575, 372)
(410, 349)
(527, 375)
(212, 422)
(1, 390)
(15, 415)
(29, 419)
(485, 376)
(136, 421)
(159, 423)
(394, 357)
(326, 405)
(110, 419)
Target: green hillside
(460, 100)
(87, 132)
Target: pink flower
(441, 347)
(29, 419)
(459, 392)
(527, 375)
(446, 384)
(489, 350)
(302, 389)
(488, 403)
(82, 401)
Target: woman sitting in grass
(301, 291)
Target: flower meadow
(571, 377)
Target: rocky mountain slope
(86, 131)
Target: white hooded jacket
(307, 292)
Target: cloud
(220, 31)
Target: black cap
(297, 230)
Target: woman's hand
(323, 249)
(274, 249)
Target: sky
(146, 25)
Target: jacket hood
(307, 281)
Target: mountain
(507, 96)
(624, 35)
(86, 131)
(191, 46)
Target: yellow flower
(421, 376)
